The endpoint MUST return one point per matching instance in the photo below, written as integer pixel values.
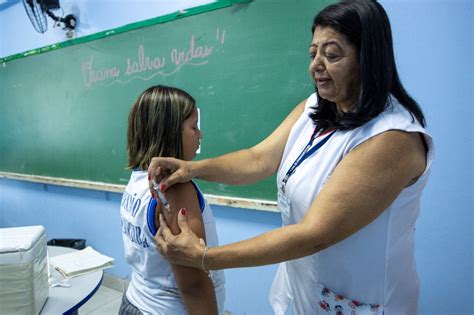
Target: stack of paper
(80, 262)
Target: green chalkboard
(63, 113)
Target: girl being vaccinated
(163, 122)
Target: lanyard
(307, 152)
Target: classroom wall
(434, 51)
(433, 44)
(94, 215)
(18, 34)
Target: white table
(64, 300)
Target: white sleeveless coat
(152, 287)
(371, 272)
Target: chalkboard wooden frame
(263, 205)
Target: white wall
(18, 35)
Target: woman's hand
(167, 172)
(241, 167)
(184, 249)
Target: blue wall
(434, 50)
(94, 215)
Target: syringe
(161, 196)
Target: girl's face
(334, 67)
(191, 136)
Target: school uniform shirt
(152, 287)
(371, 272)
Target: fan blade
(36, 15)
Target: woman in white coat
(351, 161)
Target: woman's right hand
(167, 172)
(237, 168)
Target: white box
(23, 270)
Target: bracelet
(202, 260)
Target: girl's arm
(195, 285)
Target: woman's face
(334, 67)
(191, 136)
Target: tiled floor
(105, 301)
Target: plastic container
(68, 242)
(24, 284)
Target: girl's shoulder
(183, 195)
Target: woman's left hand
(184, 249)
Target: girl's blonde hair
(155, 124)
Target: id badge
(283, 203)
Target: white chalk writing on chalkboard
(145, 67)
